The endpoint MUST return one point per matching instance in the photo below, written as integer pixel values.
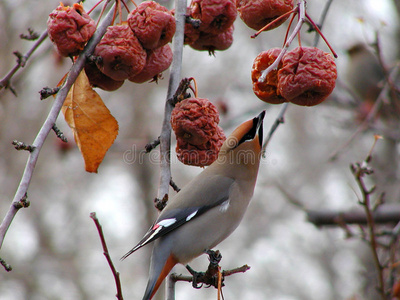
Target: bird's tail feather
(156, 277)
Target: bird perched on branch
(209, 208)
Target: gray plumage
(209, 208)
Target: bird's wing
(172, 218)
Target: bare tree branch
(107, 255)
(165, 136)
(213, 276)
(322, 21)
(174, 79)
(49, 123)
(21, 61)
(359, 171)
(385, 213)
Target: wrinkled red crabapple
(194, 120)
(100, 80)
(122, 56)
(258, 13)
(153, 24)
(212, 42)
(307, 76)
(216, 16)
(69, 28)
(158, 60)
(200, 155)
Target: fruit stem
(102, 12)
(97, 4)
(290, 25)
(195, 86)
(134, 3)
(320, 33)
(126, 6)
(115, 13)
(119, 7)
(298, 35)
(301, 11)
(294, 10)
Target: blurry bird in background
(365, 76)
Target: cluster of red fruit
(136, 50)
(211, 25)
(305, 76)
(199, 138)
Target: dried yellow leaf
(92, 124)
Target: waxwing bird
(209, 208)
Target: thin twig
(175, 75)
(174, 186)
(322, 21)
(170, 287)
(279, 120)
(165, 136)
(388, 78)
(371, 227)
(393, 254)
(150, 146)
(49, 123)
(22, 146)
(241, 269)
(31, 36)
(47, 92)
(175, 277)
(359, 170)
(59, 134)
(5, 82)
(5, 265)
(107, 255)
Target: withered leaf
(92, 124)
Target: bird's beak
(259, 121)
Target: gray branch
(49, 123)
(385, 213)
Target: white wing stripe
(166, 222)
(224, 206)
(189, 217)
